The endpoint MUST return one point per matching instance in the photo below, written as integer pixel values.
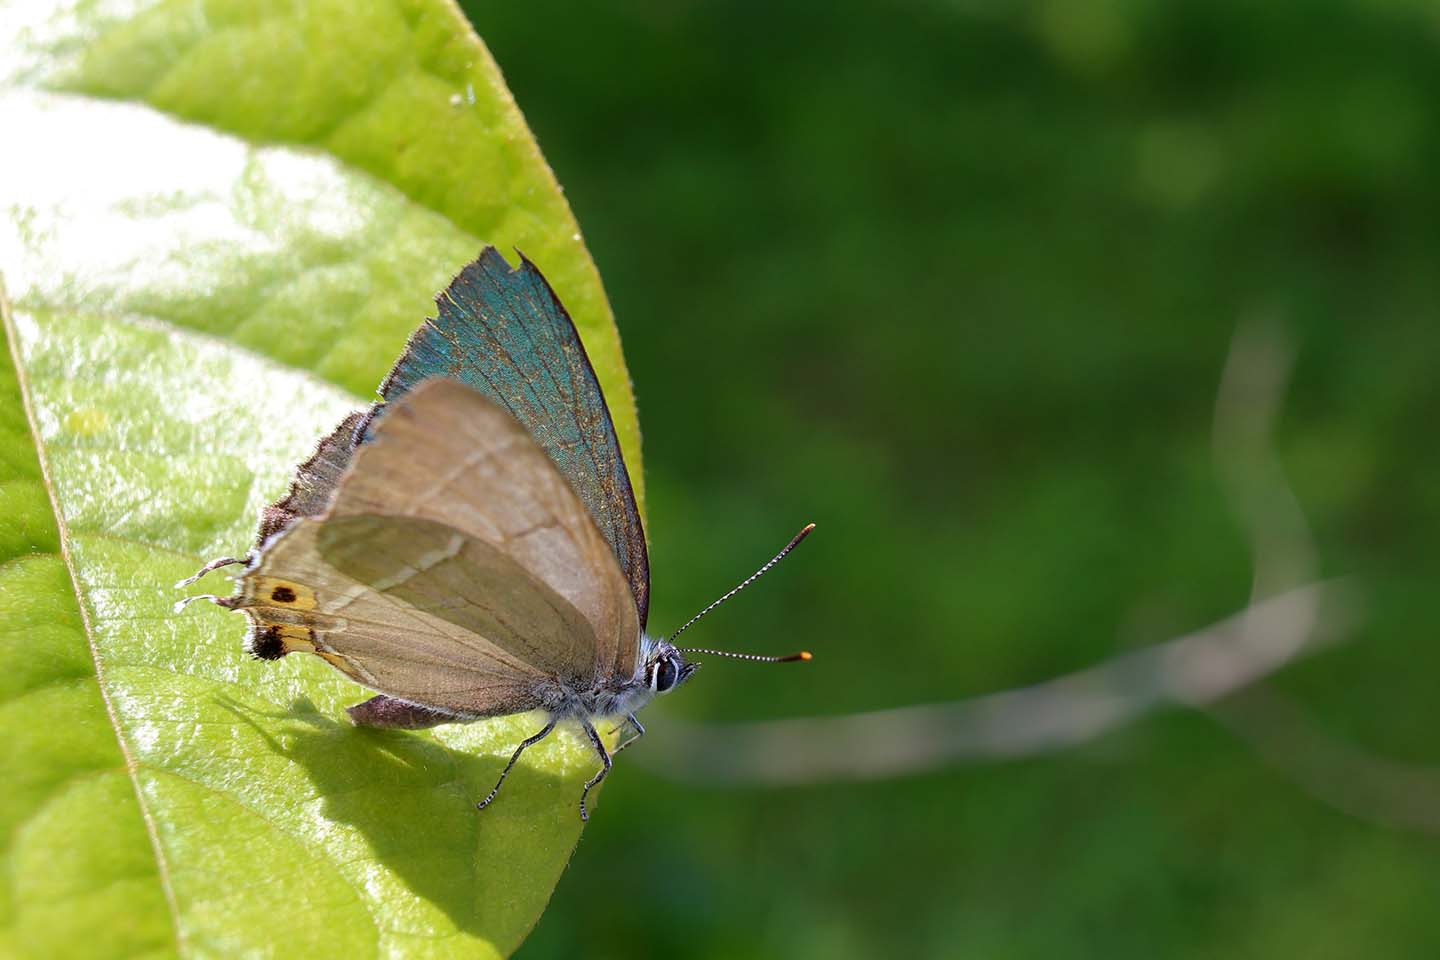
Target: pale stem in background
(1280, 730)
(1285, 620)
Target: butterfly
(470, 546)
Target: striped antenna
(788, 658)
(794, 542)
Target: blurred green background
(958, 282)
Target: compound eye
(666, 673)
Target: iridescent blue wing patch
(504, 333)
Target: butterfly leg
(604, 758)
(638, 731)
(528, 741)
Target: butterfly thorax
(660, 668)
(606, 697)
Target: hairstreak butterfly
(470, 546)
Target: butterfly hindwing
(297, 603)
(315, 480)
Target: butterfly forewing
(462, 461)
(452, 542)
(505, 334)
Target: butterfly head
(667, 668)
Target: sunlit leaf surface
(218, 223)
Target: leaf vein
(23, 380)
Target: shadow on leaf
(413, 801)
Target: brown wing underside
(300, 603)
(447, 454)
(455, 567)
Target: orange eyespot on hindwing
(272, 591)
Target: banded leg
(604, 758)
(638, 732)
(528, 741)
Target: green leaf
(218, 224)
